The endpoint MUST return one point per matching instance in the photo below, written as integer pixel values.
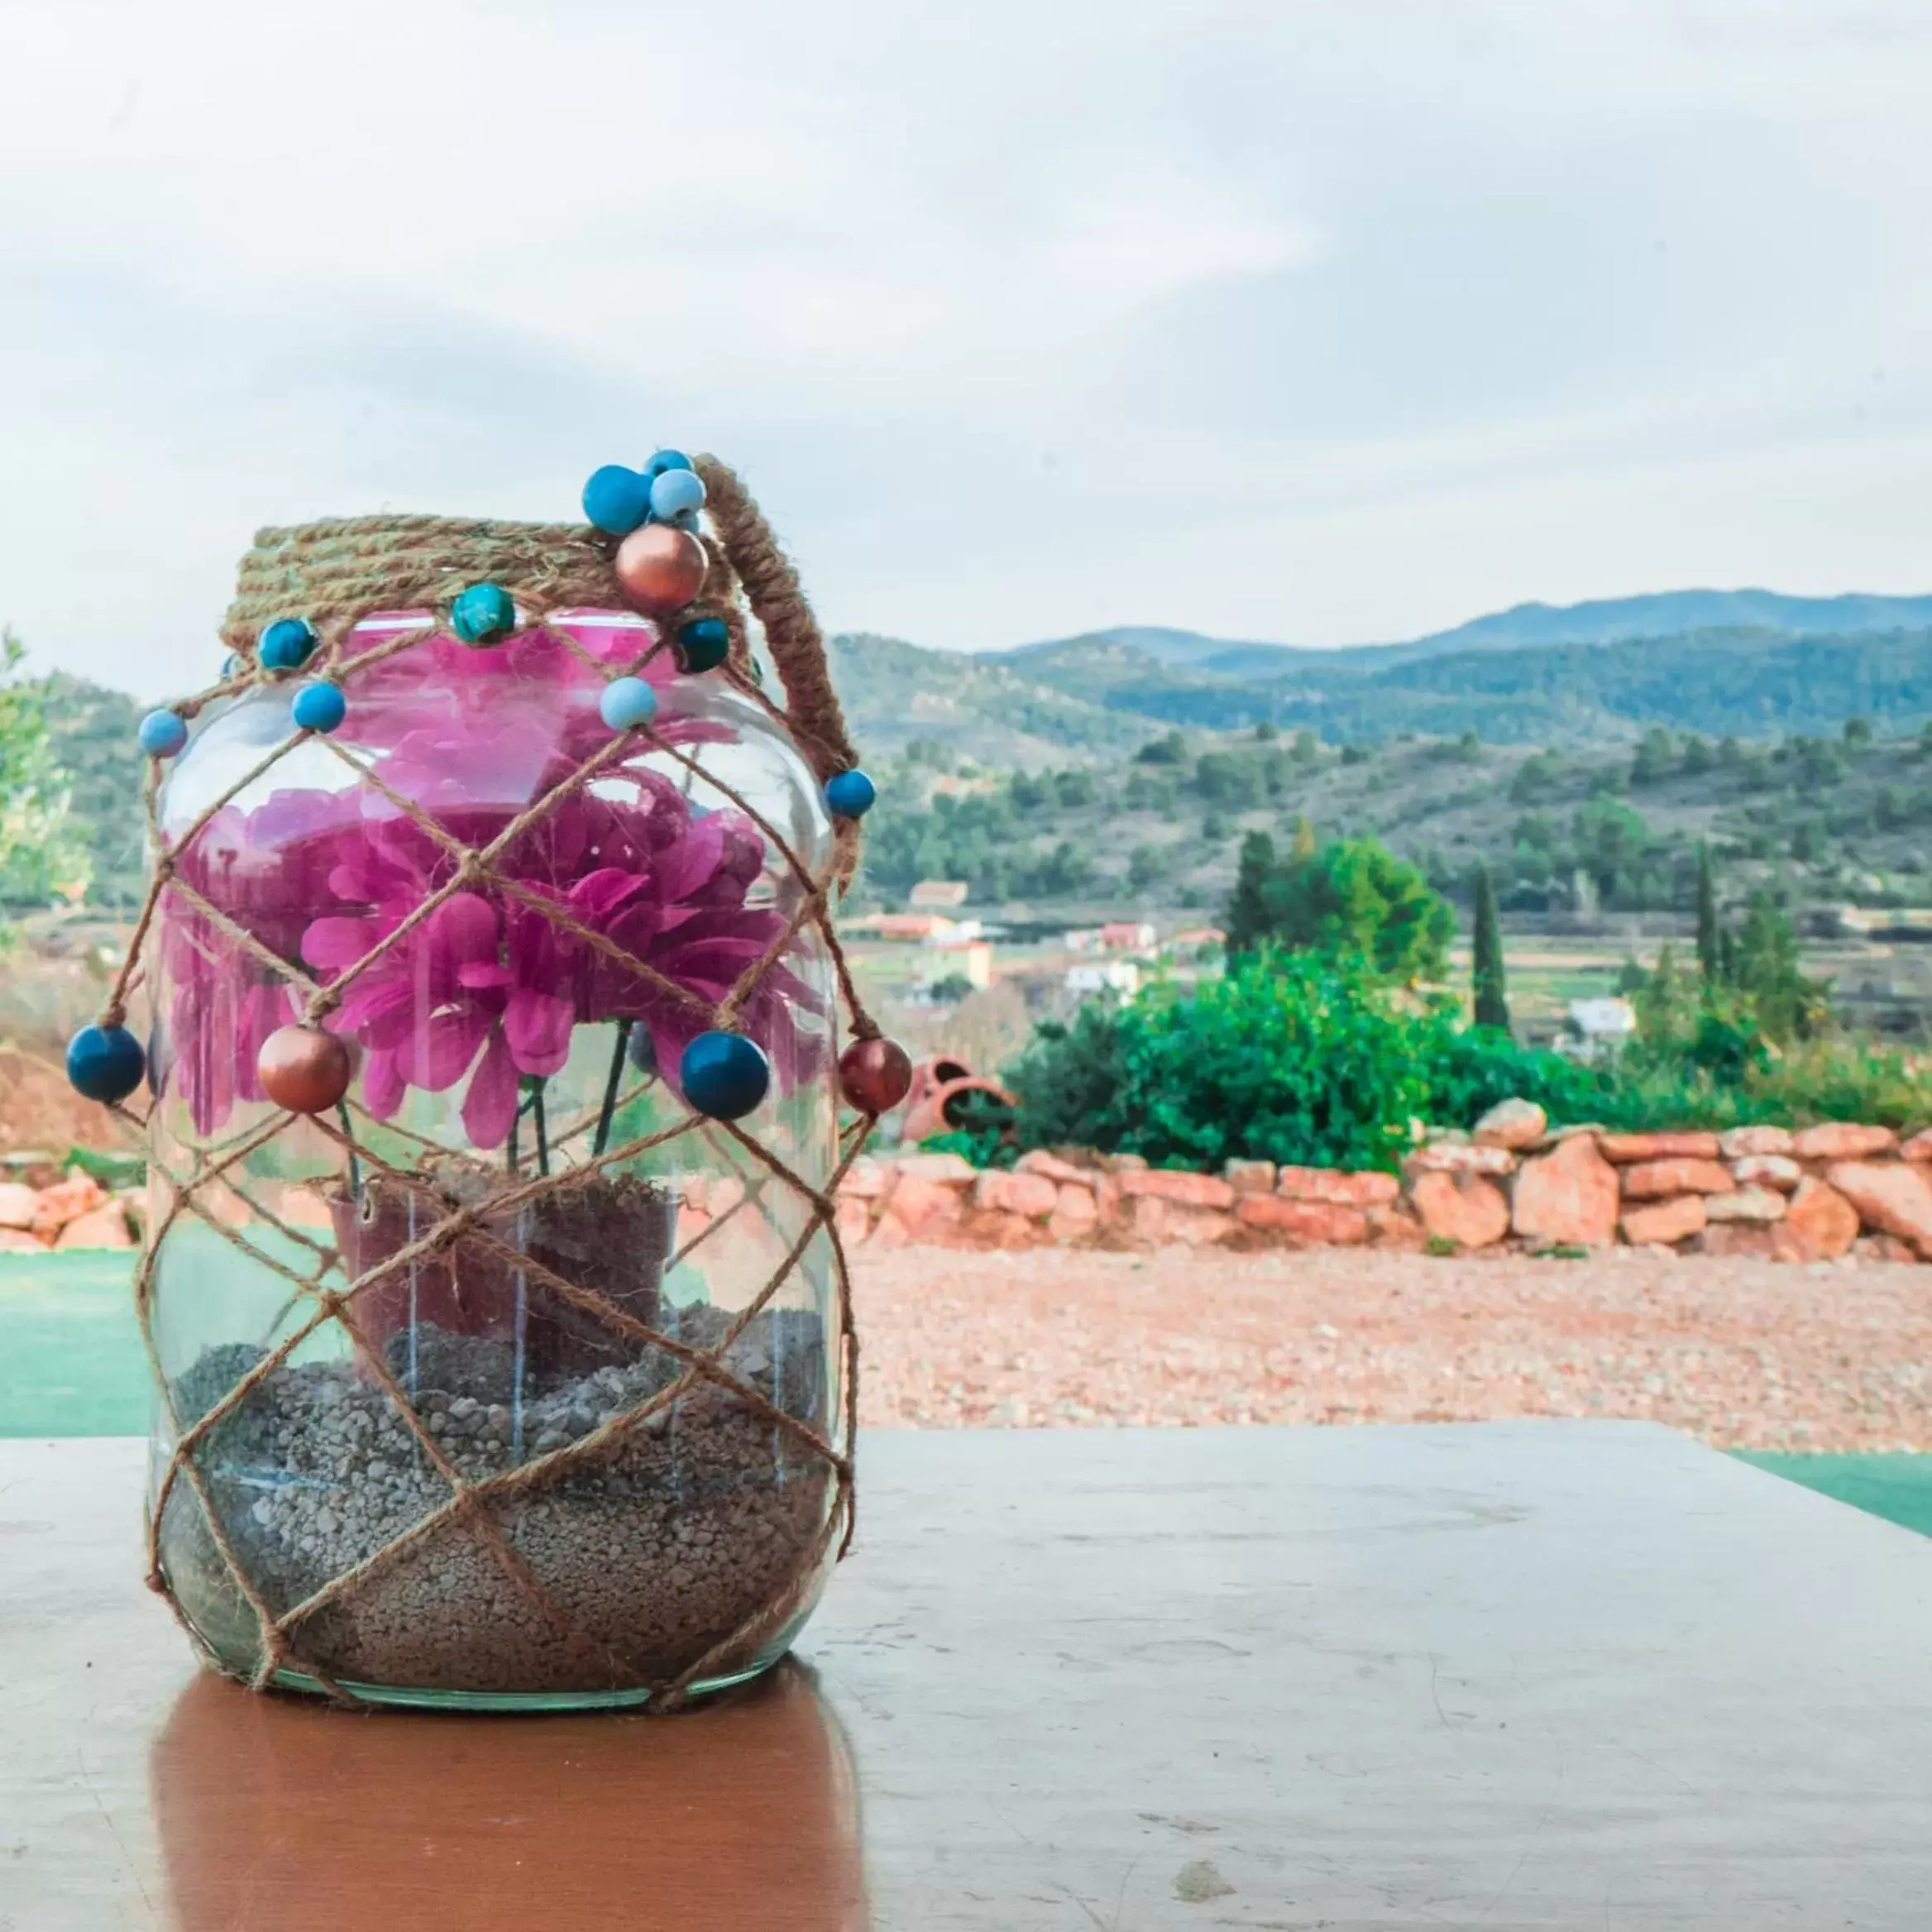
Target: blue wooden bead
(163, 734)
(676, 493)
(627, 703)
(105, 1063)
(318, 707)
(850, 794)
(723, 1075)
(664, 459)
(485, 614)
(703, 644)
(617, 499)
(287, 644)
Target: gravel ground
(1836, 1357)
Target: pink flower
(487, 986)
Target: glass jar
(453, 1330)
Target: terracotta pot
(609, 1236)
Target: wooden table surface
(1522, 1674)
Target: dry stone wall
(1767, 1193)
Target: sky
(1320, 322)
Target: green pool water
(71, 1364)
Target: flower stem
(610, 1087)
(355, 1166)
(542, 1139)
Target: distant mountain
(985, 706)
(1608, 620)
(1748, 662)
(1661, 614)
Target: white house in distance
(1601, 1026)
(1118, 976)
(938, 894)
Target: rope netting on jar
(339, 575)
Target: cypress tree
(1247, 910)
(1709, 940)
(1492, 993)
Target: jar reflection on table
(275, 1816)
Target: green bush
(1296, 1060)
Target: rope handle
(770, 586)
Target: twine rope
(337, 573)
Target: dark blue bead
(641, 1048)
(287, 644)
(105, 1063)
(617, 499)
(485, 614)
(850, 794)
(703, 644)
(664, 459)
(723, 1075)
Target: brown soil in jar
(663, 1547)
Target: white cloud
(1318, 321)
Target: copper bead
(874, 1075)
(303, 1068)
(661, 568)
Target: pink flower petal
(332, 944)
(382, 1085)
(537, 1026)
(490, 1107)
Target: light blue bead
(664, 459)
(850, 794)
(318, 707)
(163, 734)
(617, 499)
(485, 614)
(287, 644)
(676, 493)
(627, 703)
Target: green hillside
(1755, 682)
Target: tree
(1247, 911)
(1492, 994)
(1709, 940)
(1145, 863)
(1654, 758)
(43, 852)
(1170, 750)
(1351, 899)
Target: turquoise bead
(851, 795)
(105, 1063)
(676, 493)
(287, 644)
(318, 707)
(163, 734)
(703, 644)
(485, 614)
(617, 499)
(723, 1075)
(664, 459)
(627, 703)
